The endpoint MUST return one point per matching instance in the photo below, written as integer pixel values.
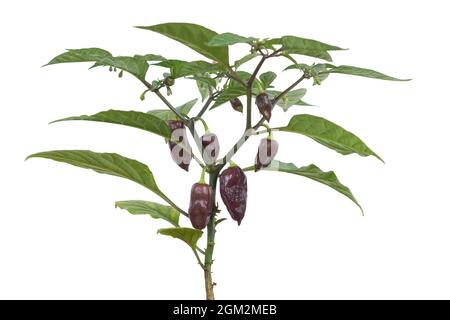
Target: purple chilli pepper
(267, 151)
(201, 203)
(181, 156)
(233, 190)
(264, 105)
(237, 105)
(210, 148)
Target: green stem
(205, 126)
(211, 233)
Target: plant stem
(292, 86)
(249, 108)
(211, 233)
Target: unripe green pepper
(181, 155)
(233, 190)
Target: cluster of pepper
(233, 182)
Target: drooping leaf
(188, 235)
(308, 47)
(228, 39)
(290, 99)
(361, 72)
(180, 68)
(153, 209)
(228, 94)
(81, 55)
(245, 59)
(139, 120)
(205, 79)
(328, 134)
(166, 114)
(106, 163)
(312, 172)
(267, 78)
(195, 37)
(134, 65)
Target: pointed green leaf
(151, 57)
(228, 94)
(180, 68)
(139, 120)
(312, 172)
(135, 65)
(328, 134)
(154, 210)
(203, 88)
(290, 99)
(361, 72)
(188, 235)
(81, 55)
(228, 39)
(195, 37)
(165, 114)
(106, 163)
(245, 59)
(308, 47)
(267, 78)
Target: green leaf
(180, 68)
(106, 163)
(134, 65)
(195, 37)
(188, 235)
(290, 99)
(227, 39)
(81, 55)
(228, 94)
(308, 47)
(361, 72)
(139, 120)
(245, 59)
(165, 114)
(267, 78)
(328, 134)
(313, 172)
(154, 210)
(203, 88)
(151, 57)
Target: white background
(61, 237)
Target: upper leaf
(308, 47)
(81, 55)
(165, 114)
(329, 134)
(245, 59)
(188, 235)
(194, 36)
(107, 163)
(313, 172)
(356, 71)
(154, 210)
(135, 65)
(140, 120)
(151, 57)
(228, 38)
(180, 68)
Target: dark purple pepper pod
(267, 151)
(237, 105)
(201, 205)
(181, 156)
(265, 105)
(210, 148)
(233, 190)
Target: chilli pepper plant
(228, 85)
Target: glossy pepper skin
(265, 105)
(267, 151)
(233, 190)
(210, 148)
(201, 205)
(182, 158)
(237, 104)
